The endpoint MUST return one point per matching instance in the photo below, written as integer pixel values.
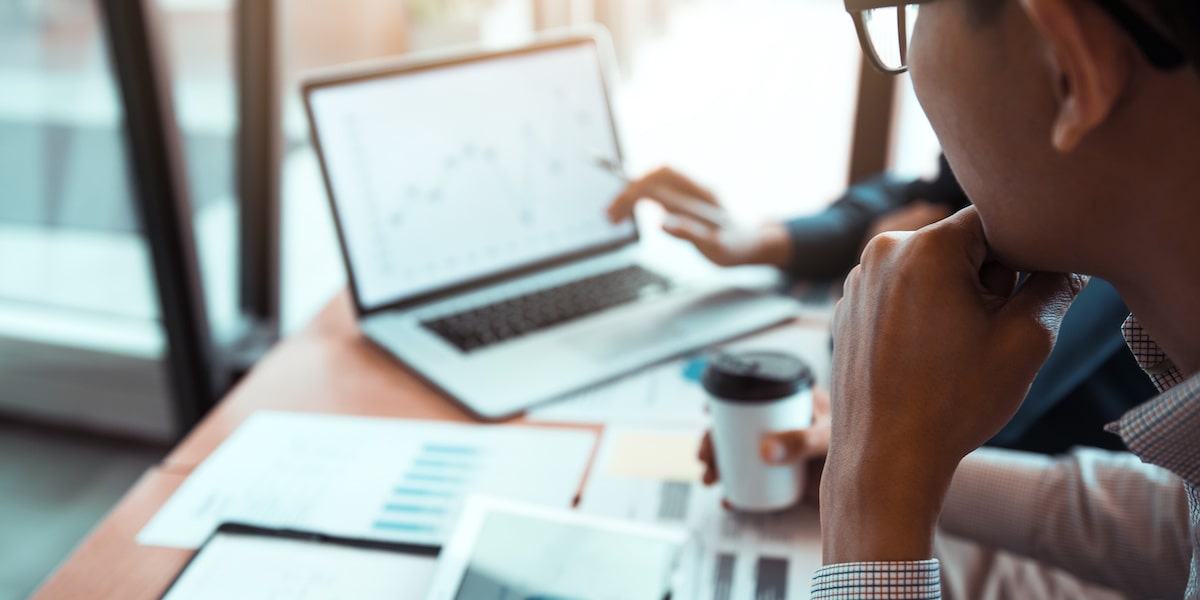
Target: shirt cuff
(915, 580)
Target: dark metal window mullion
(162, 201)
(259, 143)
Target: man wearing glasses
(1074, 126)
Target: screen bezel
(602, 50)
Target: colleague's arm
(1104, 517)
(694, 214)
(821, 246)
(827, 245)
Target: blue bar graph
(429, 477)
(431, 488)
(448, 449)
(442, 464)
(422, 492)
(405, 527)
(414, 509)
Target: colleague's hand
(695, 215)
(933, 354)
(803, 448)
(909, 217)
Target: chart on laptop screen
(452, 173)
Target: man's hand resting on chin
(933, 354)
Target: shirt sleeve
(827, 245)
(1104, 517)
(901, 580)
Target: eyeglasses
(885, 29)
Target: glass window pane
(198, 36)
(75, 273)
(317, 34)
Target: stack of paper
(652, 475)
(370, 478)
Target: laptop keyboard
(494, 323)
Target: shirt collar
(1166, 430)
(1150, 357)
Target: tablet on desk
(241, 561)
(509, 551)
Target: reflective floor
(60, 487)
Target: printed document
(732, 555)
(359, 477)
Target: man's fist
(935, 348)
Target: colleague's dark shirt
(827, 245)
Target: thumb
(789, 447)
(964, 229)
(1046, 297)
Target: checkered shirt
(1164, 432)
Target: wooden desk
(328, 367)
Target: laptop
(471, 215)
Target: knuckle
(928, 240)
(880, 247)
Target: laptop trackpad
(661, 323)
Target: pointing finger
(667, 187)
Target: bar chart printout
(430, 491)
(357, 477)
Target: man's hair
(1179, 18)
(1182, 21)
(983, 12)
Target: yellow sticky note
(663, 455)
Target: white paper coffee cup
(752, 394)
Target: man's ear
(1088, 61)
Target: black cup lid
(756, 376)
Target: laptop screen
(448, 175)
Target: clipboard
(245, 561)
